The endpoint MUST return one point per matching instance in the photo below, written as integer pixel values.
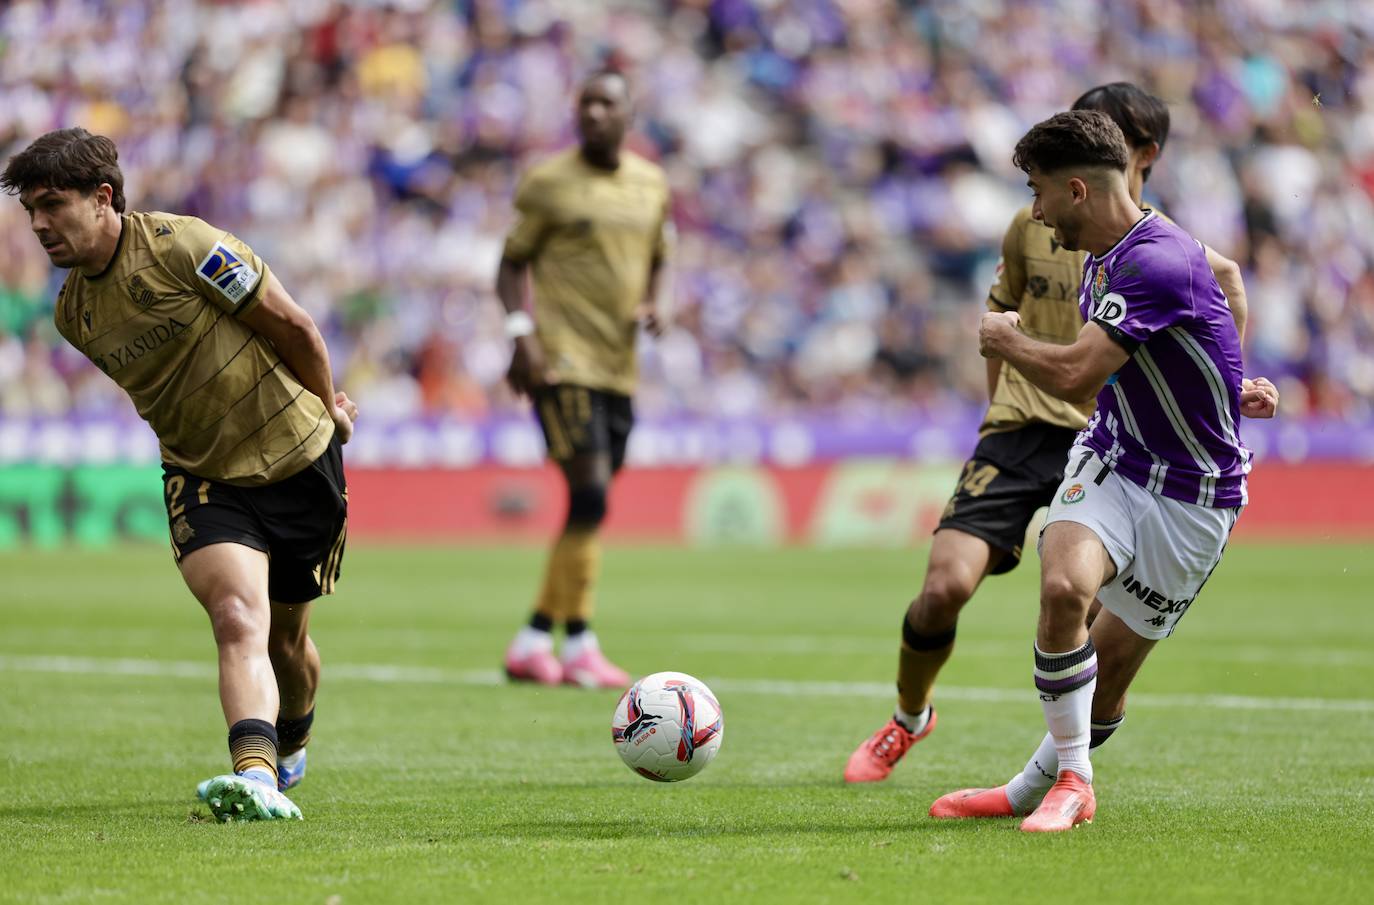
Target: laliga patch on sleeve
(228, 273)
(1111, 309)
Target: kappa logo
(229, 274)
(1074, 494)
(86, 316)
(162, 230)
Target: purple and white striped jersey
(1168, 420)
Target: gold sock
(550, 603)
(916, 672)
(573, 569)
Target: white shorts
(1164, 549)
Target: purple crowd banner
(515, 440)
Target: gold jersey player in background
(591, 233)
(1018, 464)
(234, 379)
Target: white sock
(1028, 788)
(577, 645)
(261, 775)
(1066, 682)
(290, 761)
(531, 640)
(914, 724)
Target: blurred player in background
(234, 379)
(1157, 479)
(591, 233)
(1023, 444)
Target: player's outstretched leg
(296, 663)
(1074, 565)
(958, 562)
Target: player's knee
(942, 597)
(587, 506)
(236, 621)
(1061, 593)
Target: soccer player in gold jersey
(234, 379)
(1018, 464)
(591, 237)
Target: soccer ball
(667, 727)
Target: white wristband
(518, 324)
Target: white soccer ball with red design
(667, 726)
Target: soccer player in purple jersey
(1023, 442)
(1155, 482)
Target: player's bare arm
(994, 372)
(1075, 373)
(528, 371)
(297, 340)
(1232, 286)
(651, 313)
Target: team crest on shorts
(182, 530)
(1074, 494)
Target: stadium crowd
(841, 172)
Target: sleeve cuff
(995, 305)
(1119, 336)
(259, 291)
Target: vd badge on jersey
(228, 273)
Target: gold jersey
(1037, 278)
(591, 238)
(162, 321)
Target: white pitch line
(812, 645)
(423, 675)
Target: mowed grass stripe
(392, 674)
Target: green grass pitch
(1244, 773)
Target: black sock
(253, 746)
(1102, 730)
(540, 622)
(575, 627)
(294, 734)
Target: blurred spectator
(841, 171)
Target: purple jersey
(1168, 419)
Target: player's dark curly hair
(67, 159)
(1079, 138)
(1143, 118)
